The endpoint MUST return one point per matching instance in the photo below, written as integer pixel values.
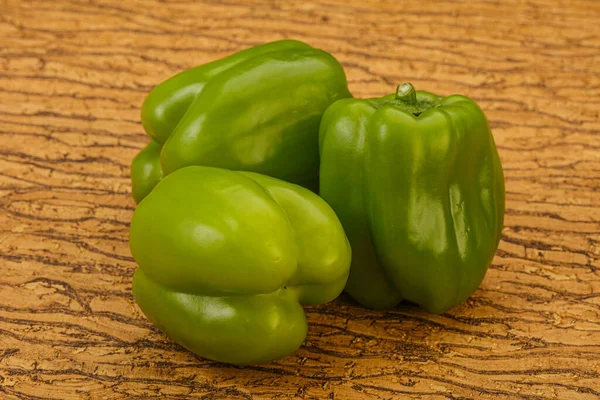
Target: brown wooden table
(72, 77)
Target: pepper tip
(406, 92)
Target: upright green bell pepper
(226, 258)
(255, 110)
(418, 186)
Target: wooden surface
(72, 77)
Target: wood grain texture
(73, 75)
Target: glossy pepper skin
(227, 258)
(417, 183)
(256, 110)
(146, 171)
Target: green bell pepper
(255, 110)
(418, 186)
(226, 258)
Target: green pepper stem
(407, 93)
